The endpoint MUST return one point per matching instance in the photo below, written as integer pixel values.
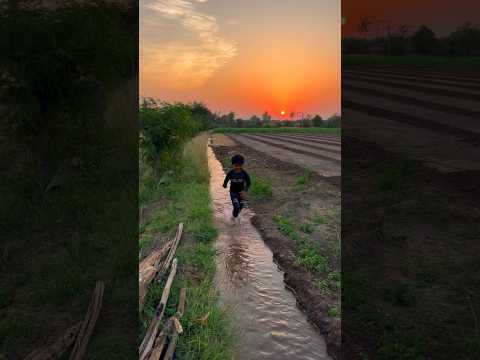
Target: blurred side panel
(410, 180)
(68, 175)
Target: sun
(282, 112)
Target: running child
(239, 184)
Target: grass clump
(261, 188)
(305, 178)
(307, 253)
(333, 312)
(306, 228)
(392, 178)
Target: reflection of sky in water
(265, 314)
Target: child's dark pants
(237, 203)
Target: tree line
(266, 121)
(165, 127)
(382, 37)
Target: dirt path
(316, 205)
(321, 161)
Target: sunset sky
(246, 56)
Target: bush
(166, 127)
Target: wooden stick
(56, 350)
(177, 328)
(81, 343)
(173, 249)
(151, 334)
(181, 302)
(168, 328)
(161, 341)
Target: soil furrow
(332, 140)
(420, 75)
(457, 121)
(412, 120)
(457, 73)
(308, 143)
(413, 101)
(412, 141)
(296, 150)
(460, 85)
(409, 86)
(467, 106)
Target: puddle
(266, 318)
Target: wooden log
(152, 258)
(56, 350)
(150, 336)
(177, 328)
(88, 325)
(148, 270)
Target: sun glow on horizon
(231, 68)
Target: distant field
(315, 130)
(408, 60)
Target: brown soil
(409, 270)
(323, 163)
(321, 197)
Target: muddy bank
(300, 201)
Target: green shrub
(261, 188)
(305, 178)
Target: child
(239, 184)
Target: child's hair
(238, 159)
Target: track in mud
(421, 114)
(318, 152)
(265, 314)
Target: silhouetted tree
(255, 121)
(266, 118)
(424, 40)
(317, 121)
(202, 114)
(465, 41)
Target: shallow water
(266, 318)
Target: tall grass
(186, 198)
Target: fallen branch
(56, 350)
(151, 334)
(153, 257)
(165, 266)
(89, 322)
